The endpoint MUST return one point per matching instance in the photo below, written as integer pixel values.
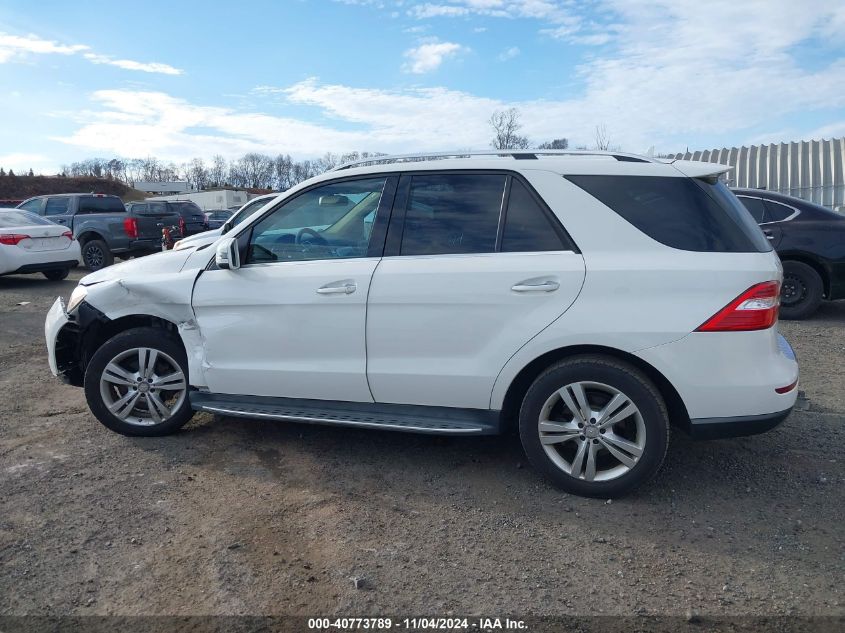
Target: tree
(602, 137)
(218, 171)
(2, 172)
(506, 125)
(197, 174)
(30, 173)
(11, 174)
(558, 143)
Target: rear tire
(57, 275)
(614, 441)
(131, 398)
(802, 291)
(96, 255)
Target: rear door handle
(338, 288)
(769, 235)
(529, 286)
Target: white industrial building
(812, 170)
(164, 188)
(211, 199)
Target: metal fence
(812, 170)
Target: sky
(186, 79)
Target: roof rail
(517, 154)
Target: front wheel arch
(678, 414)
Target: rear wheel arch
(813, 263)
(519, 386)
(87, 236)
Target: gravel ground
(251, 517)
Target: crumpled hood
(164, 262)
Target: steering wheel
(318, 239)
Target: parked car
(31, 244)
(810, 241)
(193, 218)
(217, 218)
(588, 302)
(195, 241)
(103, 226)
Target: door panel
(291, 321)
(441, 327)
(268, 330)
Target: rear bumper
(150, 244)
(716, 428)
(730, 376)
(43, 267)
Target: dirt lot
(251, 517)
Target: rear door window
(528, 226)
(452, 213)
(57, 206)
(685, 213)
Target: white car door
(290, 322)
(475, 266)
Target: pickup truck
(103, 225)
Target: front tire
(137, 383)
(57, 275)
(802, 291)
(594, 426)
(96, 255)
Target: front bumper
(57, 318)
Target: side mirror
(227, 226)
(228, 256)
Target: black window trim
(400, 208)
(795, 211)
(377, 237)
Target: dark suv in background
(810, 241)
(193, 218)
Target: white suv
(589, 300)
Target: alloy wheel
(94, 257)
(143, 386)
(592, 431)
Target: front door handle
(769, 235)
(530, 286)
(338, 288)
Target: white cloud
(509, 53)
(672, 76)
(429, 56)
(18, 46)
(128, 64)
(20, 162)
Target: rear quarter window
(685, 213)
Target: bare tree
(558, 143)
(506, 125)
(197, 174)
(602, 137)
(218, 171)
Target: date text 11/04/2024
(412, 624)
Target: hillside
(17, 188)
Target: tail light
(68, 235)
(182, 227)
(130, 226)
(754, 309)
(12, 239)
